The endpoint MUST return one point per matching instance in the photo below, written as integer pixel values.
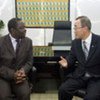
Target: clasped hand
(19, 76)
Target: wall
(7, 11)
(43, 36)
(90, 8)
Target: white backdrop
(40, 36)
(91, 9)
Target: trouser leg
(22, 91)
(93, 89)
(5, 90)
(67, 89)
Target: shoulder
(27, 39)
(3, 38)
(95, 36)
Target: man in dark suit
(16, 60)
(87, 73)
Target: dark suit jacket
(92, 65)
(8, 61)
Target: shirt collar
(12, 38)
(88, 39)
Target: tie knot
(17, 40)
(84, 42)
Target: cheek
(77, 35)
(22, 32)
(81, 34)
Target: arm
(6, 73)
(70, 59)
(21, 74)
(29, 59)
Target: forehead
(20, 23)
(77, 23)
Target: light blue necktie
(85, 50)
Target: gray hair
(85, 21)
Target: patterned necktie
(17, 45)
(85, 50)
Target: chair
(61, 34)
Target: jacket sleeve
(71, 58)
(6, 73)
(29, 59)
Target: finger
(24, 79)
(18, 78)
(17, 82)
(62, 58)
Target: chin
(22, 37)
(76, 37)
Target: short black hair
(13, 23)
(85, 21)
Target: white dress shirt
(88, 41)
(14, 43)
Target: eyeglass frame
(77, 27)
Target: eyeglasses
(77, 28)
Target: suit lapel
(9, 45)
(22, 47)
(93, 47)
(80, 51)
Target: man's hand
(19, 76)
(63, 62)
(22, 72)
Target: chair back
(62, 33)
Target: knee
(92, 97)
(5, 95)
(24, 94)
(63, 93)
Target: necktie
(85, 50)
(17, 45)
